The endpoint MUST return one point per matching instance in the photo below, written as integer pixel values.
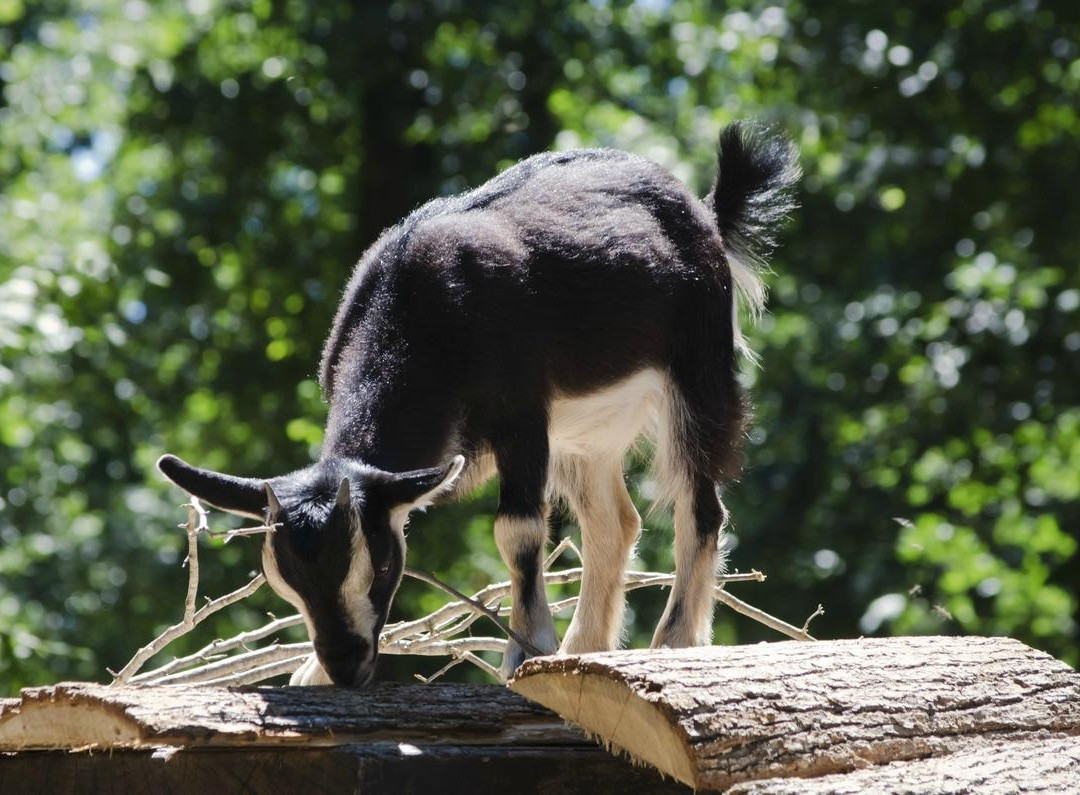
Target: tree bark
(1012, 766)
(389, 738)
(81, 715)
(902, 714)
(717, 716)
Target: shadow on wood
(390, 738)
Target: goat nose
(344, 674)
(342, 664)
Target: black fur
(754, 188)
(564, 274)
(228, 492)
(567, 272)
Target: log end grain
(615, 716)
(52, 724)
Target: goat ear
(420, 488)
(344, 494)
(273, 507)
(242, 496)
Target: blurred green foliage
(185, 185)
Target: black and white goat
(534, 327)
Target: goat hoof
(512, 658)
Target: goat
(534, 327)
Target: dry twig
(196, 523)
(473, 604)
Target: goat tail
(753, 193)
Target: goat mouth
(347, 666)
(357, 678)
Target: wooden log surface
(82, 715)
(1050, 765)
(79, 737)
(775, 714)
(902, 714)
(364, 768)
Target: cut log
(716, 716)
(81, 715)
(1010, 766)
(906, 714)
(390, 738)
(365, 768)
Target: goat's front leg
(310, 672)
(521, 543)
(520, 534)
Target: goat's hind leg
(699, 518)
(520, 534)
(699, 447)
(609, 527)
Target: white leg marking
(600, 427)
(521, 541)
(310, 672)
(610, 526)
(687, 619)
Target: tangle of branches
(256, 655)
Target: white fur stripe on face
(282, 588)
(359, 613)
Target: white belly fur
(607, 422)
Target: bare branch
(562, 546)
(196, 523)
(806, 624)
(431, 579)
(201, 522)
(739, 606)
(176, 630)
(468, 657)
(258, 674)
(229, 535)
(489, 596)
(484, 666)
(235, 664)
(454, 662)
(436, 647)
(212, 651)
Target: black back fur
(565, 273)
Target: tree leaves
(184, 187)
